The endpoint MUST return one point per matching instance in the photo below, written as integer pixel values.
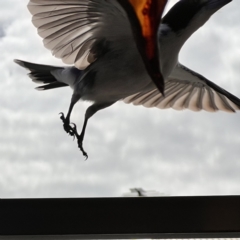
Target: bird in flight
(123, 50)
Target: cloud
(2, 33)
(178, 153)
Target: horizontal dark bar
(121, 218)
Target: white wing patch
(70, 28)
(187, 90)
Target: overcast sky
(172, 152)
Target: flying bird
(139, 192)
(120, 52)
(102, 39)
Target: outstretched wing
(78, 31)
(186, 89)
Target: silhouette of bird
(115, 60)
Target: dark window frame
(121, 218)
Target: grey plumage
(96, 37)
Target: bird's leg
(89, 113)
(66, 120)
(80, 137)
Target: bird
(102, 41)
(143, 193)
(140, 192)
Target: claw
(74, 130)
(62, 116)
(74, 126)
(81, 148)
(71, 133)
(69, 130)
(84, 154)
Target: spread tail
(41, 74)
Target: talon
(74, 130)
(71, 133)
(86, 156)
(62, 116)
(68, 129)
(81, 148)
(74, 126)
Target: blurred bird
(111, 63)
(139, 192)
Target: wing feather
(209, 101)
(71, 29)
(222, 103)
(186, 89)
(177, 102)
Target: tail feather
(41, 74)
(40, 78)
(51, 86)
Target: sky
(177, 153)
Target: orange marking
(149, 13)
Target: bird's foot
(82, 150)
(66, 126)
(80, 140)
